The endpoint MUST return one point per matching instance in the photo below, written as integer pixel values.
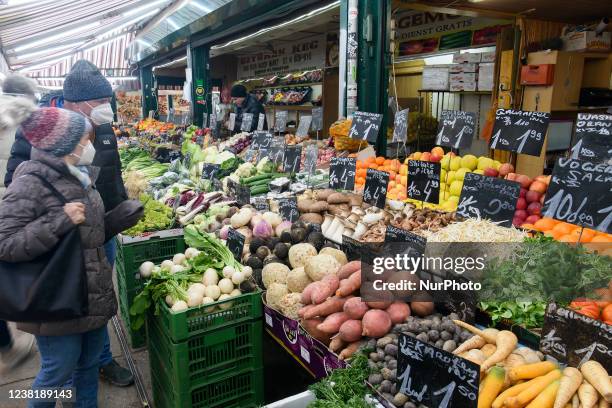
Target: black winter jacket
(20, 152)
(251, 105)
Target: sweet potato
(326, 288)
(398, 312)
(331, 305)
(348, 269)
(376, 323)
(349, 285)
(336, 344)
(304, 309)
(332, 323)
(349, 350)
(382, 305)
(355, 308)
(311, 327)
(307, 293)
(350, 331)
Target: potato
(311, 218)
(422, 309)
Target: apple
(505, 169)
(517, 222)
(524, 180)
(522, 214)
(532, 219)
(534, 208)
(521, 204)
(523, 192)
(491, 172)
(426, 156)
(435, 158)
(532, 196)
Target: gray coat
(32, 221)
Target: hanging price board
(365, 126)
(596, 124)
(232, 121)
(304, 126)
(456, 129)
(247, 122)
(593, 148)
(573, 338)
(261, 120)
(280, 121)
(424, 181)
(277, 150)
(310, 158)
(375, 191)
(488, 197)
(317, 119)
(235, 243)
(342, 173)
(292, 159)
(287, 207)
(579, 193)
(400, 129)
(434, 377)
(413, 241)
(519, 131)
(210, 171)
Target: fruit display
(339, 132)
(153, 125)
(290, 96)
(129, 107)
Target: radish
(226, 285)
(179, 259)
(146, 269)
(179, 306)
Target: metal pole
(342, 63)
(351, 56)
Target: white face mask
(86, 158)
(101, 114)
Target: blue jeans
(106, 357)
(73, 357)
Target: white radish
(227, 305)
(228, 271)
(146, 269)
(213, 292)
(210, 277)
(194, 299)
(248, 271)
(191, 253)
(177, 268)
(226, 285)
(179, 306)
(238, 278)
(167, 264)
(179, 259)
(197, 288)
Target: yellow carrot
(506, 342)
(489, 335)
(597, 376)
(471, 343)
(488, 349)
(513, 360)
(529, 371)
(588, 395)
(603, 403)
(546, 398)
(569, 384)
(537, 386)
(510, 392)
(490, 387)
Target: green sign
(199, 90)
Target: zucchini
(262, 189)
(263, 182)
(262, 176)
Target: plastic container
(137, 338)
(300, 400)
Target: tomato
(606, 313)
(587, 308)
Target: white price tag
(305, 354)
(269, 320)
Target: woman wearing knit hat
(32, 222)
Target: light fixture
(142, 8)
(58, 78)
(48, 50)
(63, 34)
(167, 64)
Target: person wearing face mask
(32, 222)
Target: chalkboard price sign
(250, 155)
(596, 124)
(573, 338)
(210, 170)
(287, 207)
(424, 181)
(235, 243)
(519, 131)
(365, 126)
(456, 129)
(277, 150)
(310, 158)
(375, 191)
(413, 241)
(342, 173)
(241, 193)
(292, 159)
(351, 247)
(214, 126)
(304, 126)
(488, 197)
(261, 140)
(434, 377)
(593, 148)
(247, 122)
(317, 119)
(232, 121)
(173, 155)
(280, 120)
(400, 129)
(260, 121)
(261, 204)
(579, 193)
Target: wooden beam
(458, 11)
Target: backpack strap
(50, 186)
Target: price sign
(292, 159)
(519, 131)
(424, 181)
(413, 241)
(342, 173)
(261, 120)
(400, 129)
(351, 247)
(213, 126)
(593, 148)
(596, 124)
(317, 119)
(434, 377)
(250, 155)
(261, 140)
(365, 126)
(579, 193)
(573, 338)
(232, 121)
(304, 126)
(205, 120)
(261, 204)
(241, 193)
(375, 191)
(235, 243)
(280, 121)
(277, 150)
(310, 159)
(209, 171)
(488, 197)
(247, 122)
(174, 155)
(287, 207)
(456, 129)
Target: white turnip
(213, 292)
(179, 259)
(210, 277)
(179, 306)
(146, 269)
(226, 286)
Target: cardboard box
(487, 57)
(435, 78)
(463, 86)
(463, 77)
(466, 57)
(485, 76)
(587, 41)
(468, 67)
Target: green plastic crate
(243, 389)
(205, 357)
(184, 325)
(138, 337)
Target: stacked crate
(131, 253)
(209, 356)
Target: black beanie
(238, 91)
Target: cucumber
(249, 180)
(263, 182)
(262, 189)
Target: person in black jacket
(246, 103)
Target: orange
(362, 172)
(563, 228)
(602, 238)
(586, 236)
(544, 224)
(555, 234)
(360, 164)
(398, 178)
(567, 238)
(380, 160)
(360, 180)
(528, 226)
(438, 150)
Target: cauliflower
(275, 293)
(245, 170)
(297, 280)
(274, 273)
(290, 304)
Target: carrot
(569, 384)
(506, 342)
(491, 386)
(488, 349)
(597, 376)
(471, 343)
(490, 335)
(587, 395)
(510, 392)
(537, 385)
(546, 398)
(348, 269)
(529, 371)
(349, 285)
(331, 305)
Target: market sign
(594, 148)
(210, 170)
(261, 140)
(280, 120)
(573, 338)
(287, 207)
(424, 181)
(304, 126)
(317, 119)
(519, 131)
(284, 58)
(579, 193)
(260, 121)
(375, 191)
(247, 122)
(235, 243)
(400, 126)
(365, 126)
(414, 242)
(199, 91)
(435, 378)
(277, 150)
(342, 173)
(232, 121)
(310, 158)
(456, 129)
(420, 32)
(292, 158)
(593, 124)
